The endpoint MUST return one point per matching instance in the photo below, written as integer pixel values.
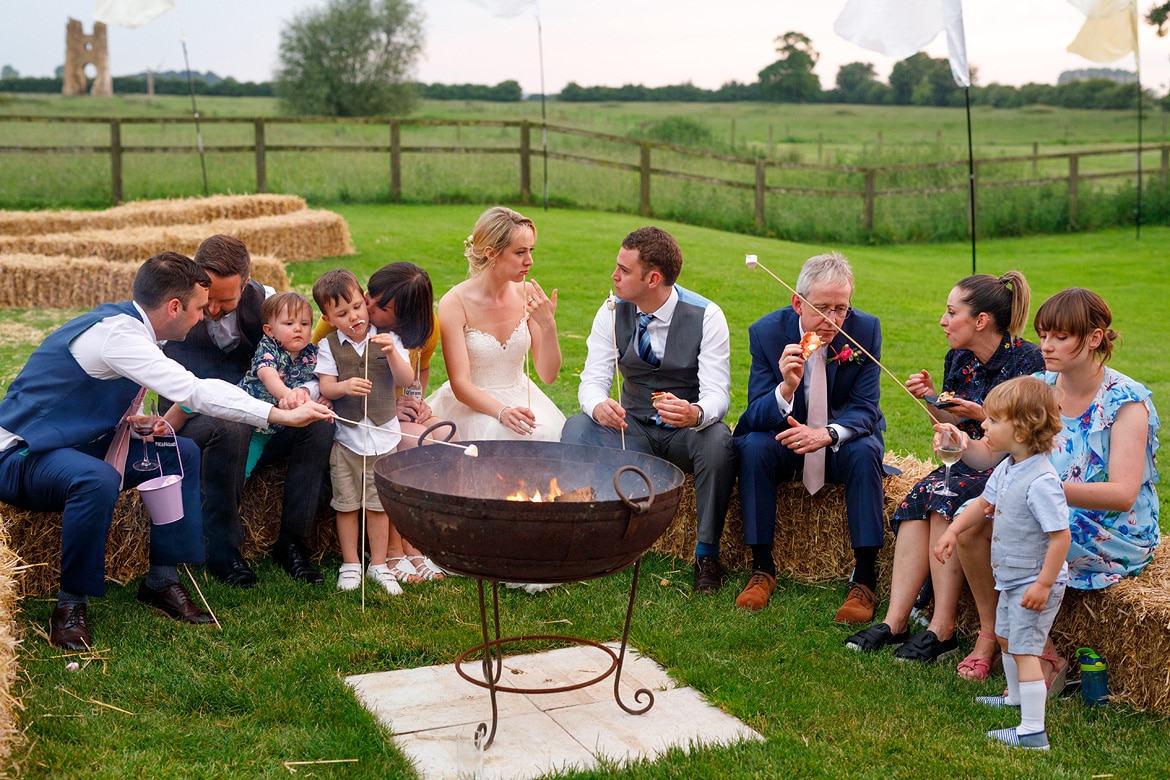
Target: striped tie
(644, 350)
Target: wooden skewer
(471, 449)
(528, 384)
(753, 261)
(611, 303)
(202, 598)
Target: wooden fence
(863, 180)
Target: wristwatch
(834, 437)
(700, 420)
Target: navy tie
(644, 350)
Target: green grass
(269, 687)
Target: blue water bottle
(1094, 677)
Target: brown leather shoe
(708, 575)
(68, 628)
(173, 601)
(756, 593)
(858, 606)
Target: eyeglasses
(836, 312)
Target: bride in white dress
(487, 324)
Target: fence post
(732, 133)
(867, 219)
(1035, 155)
(644, 194)
(761, 191)
(116, 160)
(1165, 167)
(261, 162)
(1073, 183)
(820, 147)
(525, 161)
(771, 143)
(395, 161)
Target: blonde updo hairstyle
(495, 230)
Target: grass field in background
(268, 688)
(835, 135)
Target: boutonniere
(847, 355)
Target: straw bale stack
(36, 536)
(812, 539)
(302, 235)
(181, 211)
(64, 282)
(8, 595)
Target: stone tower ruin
(82, 50)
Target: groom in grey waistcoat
(673, 351)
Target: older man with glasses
(815, 415)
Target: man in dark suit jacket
(773, 438)
(222, 347)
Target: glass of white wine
(949, 449)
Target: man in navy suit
(779, 436)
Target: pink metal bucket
(163, 495)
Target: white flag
(505, 9)
(1109, 32)
(901, 28)
(130, 13)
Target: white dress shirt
(785, 408)
(356, 438)
(714, 358)
(122, 346)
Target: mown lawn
(267, 689)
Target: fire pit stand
(492, 664)
(457, 510)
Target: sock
(762, 559)
(158, 577)
(67, 598)
(1012, 672)
(865, 573)
(704, 550)
(1033, 698)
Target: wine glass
(949, 449)
(144, 427)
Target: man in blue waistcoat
(221, 347)
(64, 445)
(672, 349)
(814, 413)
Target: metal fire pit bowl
(453, 508)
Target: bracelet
(500, 416)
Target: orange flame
(550, 494)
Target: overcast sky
(592, 42)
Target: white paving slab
(540, 733)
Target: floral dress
(294, 372)
(1107, 546)
(969, 379)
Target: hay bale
(36, 538)
(301, 235)
(812, 539)
(179, 211)
(9, 587)
(64, 282)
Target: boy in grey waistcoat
(1029, 543)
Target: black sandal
(926, 648)
(875, 638)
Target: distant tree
(790, 79)
(922, 80)
(9, 72)
(854, 82)
(1159, 16)
(351, 58)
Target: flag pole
(970, 176)
(194, 108)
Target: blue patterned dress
(969, 379)
(1107, 546)
(294, 372)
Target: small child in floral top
(284, 362)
